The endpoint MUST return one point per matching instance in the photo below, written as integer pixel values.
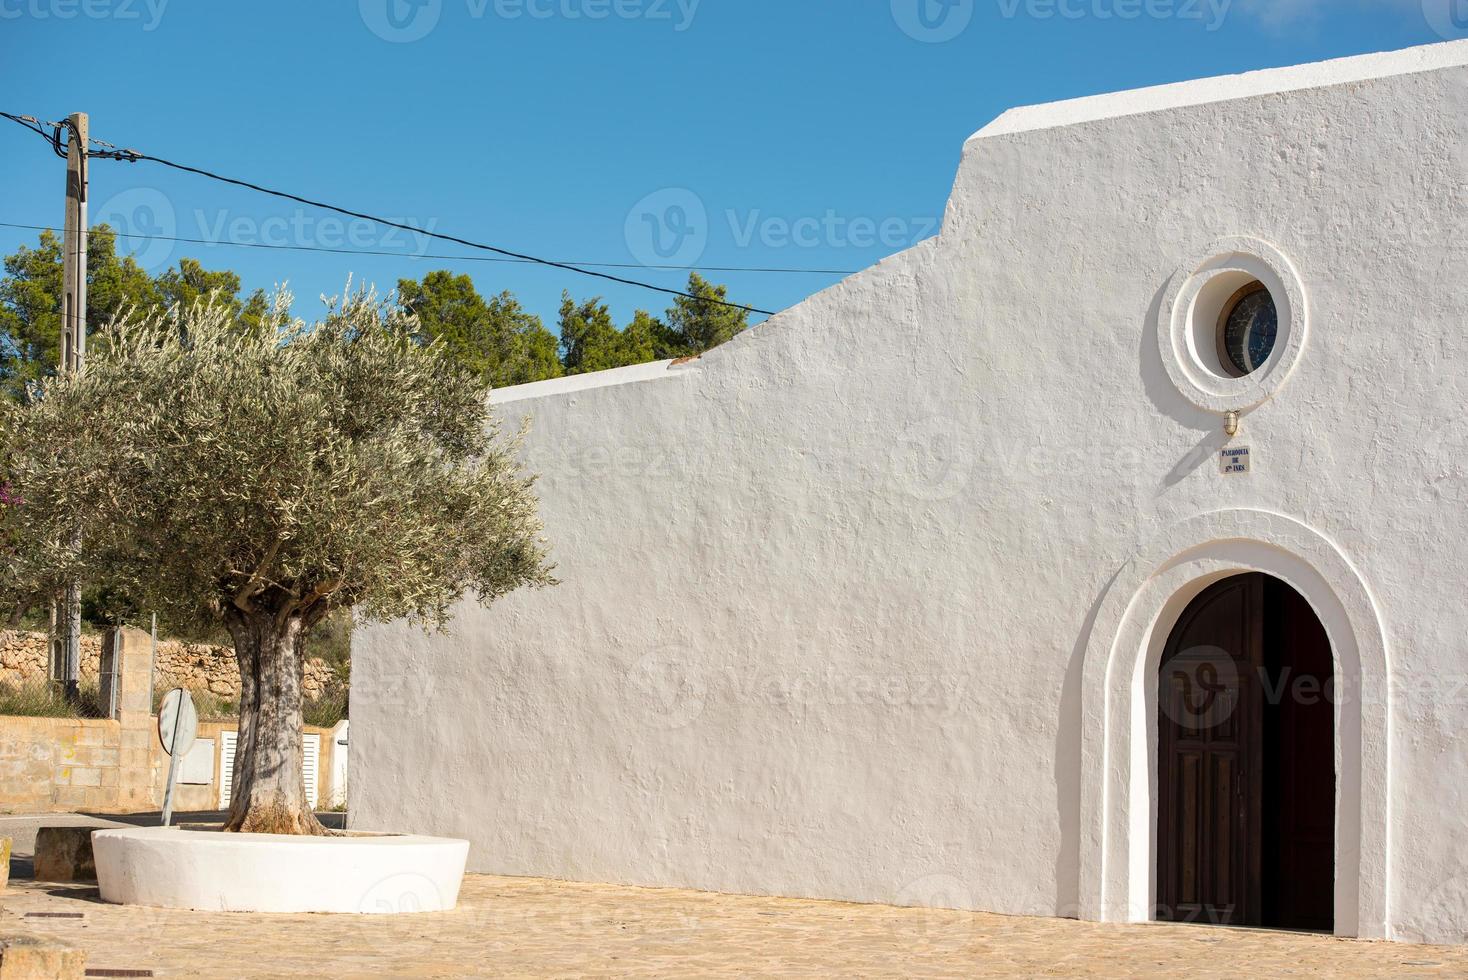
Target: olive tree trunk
(269, 789)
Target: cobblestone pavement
(519, 927)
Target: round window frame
(1200, 293)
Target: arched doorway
(1246, 760)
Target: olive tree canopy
(259, 480)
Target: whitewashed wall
(828, 592)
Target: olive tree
(257, 481)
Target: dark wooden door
(1209, 758)
(1299, 770)
(1246, 761)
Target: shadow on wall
(1165, 397)
(1068, 768)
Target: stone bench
(65, 854)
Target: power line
(32, 123)
(432, 255)
(54, 137)
(133, 156)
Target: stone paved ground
(518, 927)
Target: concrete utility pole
(67, 620)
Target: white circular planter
(166, 867)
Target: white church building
(1105, 555)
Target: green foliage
(327, 710)
(642, 339)
(298, 469)
(331, 642)
(590, 341)
(697, 325)
(189, 283)
(30, 301)
(496, 340)
(104, 606)
(499, 341)
(13, 536)
(24, 548)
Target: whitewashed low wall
(166, 867)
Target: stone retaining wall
(196, 666)
(107, 764)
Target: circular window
(1247, 329)
(1232, 324)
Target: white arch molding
(1119, 698)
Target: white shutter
(226, 766)
(310, 765)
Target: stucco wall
(827, 592)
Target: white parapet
(167, 867)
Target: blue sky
(813, 134)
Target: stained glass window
(1249, 328)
